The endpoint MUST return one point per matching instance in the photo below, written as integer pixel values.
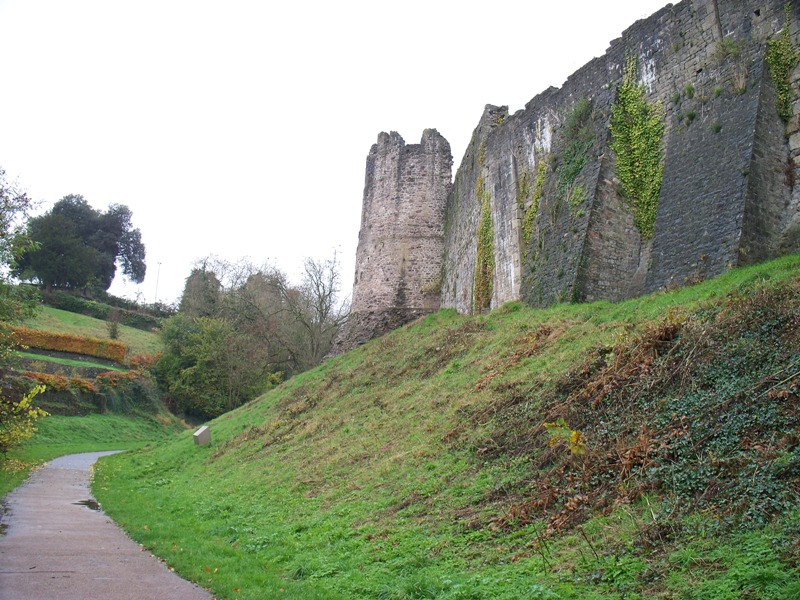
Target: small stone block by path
(202, 437)
(59, 545)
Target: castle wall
(710, 156)
(768, 182)
(545, 180)
(463, 213)
(724, 200)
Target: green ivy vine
(484, 267)
(529, 218)
(637, 131)
(576, 199)
(782, 58)
(579, 139)
(484, 264)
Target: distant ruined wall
(536, 210)
(401, 242)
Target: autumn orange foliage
(63, 342)
(61, 383)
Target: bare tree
(317, 309)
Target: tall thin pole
(158, 276)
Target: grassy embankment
(58, 435)
(61, 321)
(419, 466)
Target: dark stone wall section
(769, 182)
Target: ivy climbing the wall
(484, 267)
(529, 217)
(578, 140)
(484, 263)
(637, 130)
(782, 58)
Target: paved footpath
(59, 546)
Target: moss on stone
(484, 266)
(782, 58)
(529, 218)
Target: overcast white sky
(241, 128)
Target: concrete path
(60, 546)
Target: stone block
(202, 437)
(794, 141)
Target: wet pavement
(59, 545)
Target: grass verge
(60, 435)
(68, 362)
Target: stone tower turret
(401, 242)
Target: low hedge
(115, 392)
(63, 342)
(60, 383)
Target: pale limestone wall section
(401, 242)
(463, 214)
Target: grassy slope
(61, 321)
(67, 362)
(417, 467)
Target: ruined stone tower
(401, 242)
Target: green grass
(59, 435)
(61, 321)
(403, 468)
(71, 363)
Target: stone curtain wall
(536, 209)
(718, 164)
(724, 198)
(401, 242)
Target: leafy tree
(77, 246)
(201, 294)
(18, 419)
(242, 328)
(62, 260)
(15, 301)
(206, 369)
(293, 325)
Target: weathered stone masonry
(401, 242)
(728, 195)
